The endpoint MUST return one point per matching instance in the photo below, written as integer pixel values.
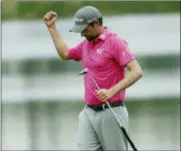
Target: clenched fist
(50, 19)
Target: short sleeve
(121, 51)
(75, 53)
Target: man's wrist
(113, 91)
(52, 28)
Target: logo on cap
(78, 19)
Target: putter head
(83, 71)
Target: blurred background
(43, 95)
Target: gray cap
(83, 17)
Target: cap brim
(78, 28)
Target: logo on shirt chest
(99, 50)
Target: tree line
(36, 9)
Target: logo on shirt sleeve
(126, 52)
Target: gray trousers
(100, 130)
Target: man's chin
(90, 39)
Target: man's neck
(100, 31)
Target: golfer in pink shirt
(106, 56)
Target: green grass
(36, 10)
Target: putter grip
(129, 140)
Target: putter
(85, 71)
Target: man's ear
(97, 22)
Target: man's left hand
(105, 94)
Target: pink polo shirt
(105, 60)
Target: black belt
(105, 106)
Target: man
(106, 56)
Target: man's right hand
(50, 19)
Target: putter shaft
(122, 128)
(106, 101)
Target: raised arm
(61, 47)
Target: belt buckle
(103, 106)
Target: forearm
(127, 81)
(60, 45)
